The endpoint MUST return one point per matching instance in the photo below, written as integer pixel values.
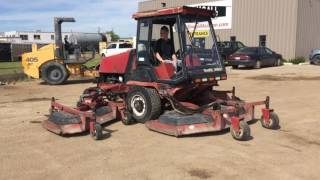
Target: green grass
(10, 68)
(92, 63)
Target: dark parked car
(315, 57)
(226, 48)
(255, 57)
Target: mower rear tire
(144, 104)
(54, 73)
(273, 121)
(97, 132)
(243, 134)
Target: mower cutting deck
(220, 115)
(174, 99)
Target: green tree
(114, 36)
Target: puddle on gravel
(35, 122)
(284, 78)
(200, 173)
(35, 99)
(28, 100)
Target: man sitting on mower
(165, 48)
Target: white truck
(115, 48)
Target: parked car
(226, 48)
(116, 48)
(315, 57)
(255, 57)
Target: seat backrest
(165, 71)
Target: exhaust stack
(58, 34)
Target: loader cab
(192, 35)
(67, 48)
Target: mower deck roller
(178, 99)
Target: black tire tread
(128, 119)
(152, 98)
(155, 103)
(98, 135)
(246, 131)
(49, 64)
(273, 117)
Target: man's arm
(174, 58)
(157, 51)
(159, 57)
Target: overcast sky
(90, 15)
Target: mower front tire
(97, 132)
(144, 104)
(273, 122)
(54, 73)
(243, 134)
(127, 119)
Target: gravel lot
(27, 151)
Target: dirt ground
(27, 151)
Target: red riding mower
(135, 87)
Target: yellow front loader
(54, 63)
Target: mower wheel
(144, 104)
(244, 132)
(54, 73)
(97, 132)
(273, 121)
(127, 119)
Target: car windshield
(224, 44)
(247, 51)
(201, 44)
(127, 45)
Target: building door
(5, 52)
(263, 41)
(233, 38)
(200, 42)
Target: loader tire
(144, 104)
(54, 73)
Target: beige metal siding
(156, 4)
(277, 19)
(274, 18)
(308, 30)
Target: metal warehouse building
(289, 27)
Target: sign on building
(223, 9)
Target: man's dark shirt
(165, 49)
